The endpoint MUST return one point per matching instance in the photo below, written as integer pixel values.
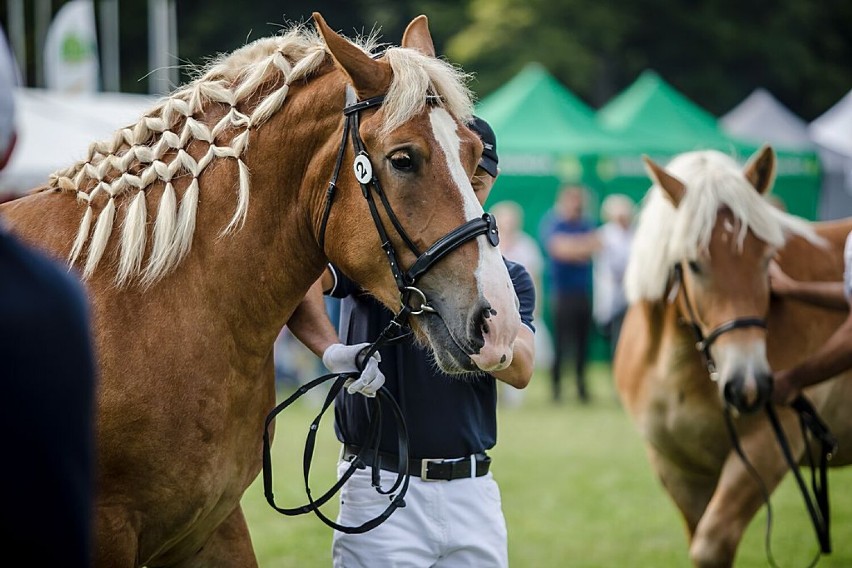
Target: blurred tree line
(714, 51)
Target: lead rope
(818, 507)
(399, 488)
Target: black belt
(429, 469)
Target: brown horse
(707, 216)
(184, 328)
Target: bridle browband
(809, 422)
(370, 185)
(405, 281)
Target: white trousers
(444, 524)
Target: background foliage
(714, 51)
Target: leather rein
(406, 282)
(809, 421)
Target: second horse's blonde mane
(230, 80)
(666, 234)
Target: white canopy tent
(832, 133)
(760, 117)
(54, 130)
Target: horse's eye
(402, 161)
(694, 267)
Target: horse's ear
(417, 36)
(760, 169)
(369, 77)
(673, 187)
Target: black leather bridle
(406, 281)
(370, 185)
(809, 422)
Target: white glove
(340, 358)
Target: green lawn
(577, 491)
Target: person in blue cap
(451, 517)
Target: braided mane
(154, 149)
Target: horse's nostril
(747, 402)
(732, 391)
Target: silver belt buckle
(424, 468)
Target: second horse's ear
(760, 169)
(673, 188)
(369, 77)
(417, 36)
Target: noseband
(370, 185)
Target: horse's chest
(686, 428)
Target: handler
(452, 515)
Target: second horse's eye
(694, 267)
(402, 161)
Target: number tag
(363, 168)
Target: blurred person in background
(519, 246)
(453, 514)
(48, 378)
(571, 241)
(610, 263)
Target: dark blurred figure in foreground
(47, 377)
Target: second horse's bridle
(809, 421)
(704, 342)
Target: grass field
(577, 492)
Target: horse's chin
(449, 357)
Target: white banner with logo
(71, 49)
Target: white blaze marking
(490, 262)
(444, 130)
(492, 276)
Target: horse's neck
(266, 267)
(806, 261)
(254, 276)
(673, 341)
(44, 219)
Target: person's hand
(783, 390)
(340, 358)
(779, 282)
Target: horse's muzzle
(748, 396)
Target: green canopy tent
(659, 121)
(546, 136)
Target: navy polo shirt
(447, 417)
(568, 277)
